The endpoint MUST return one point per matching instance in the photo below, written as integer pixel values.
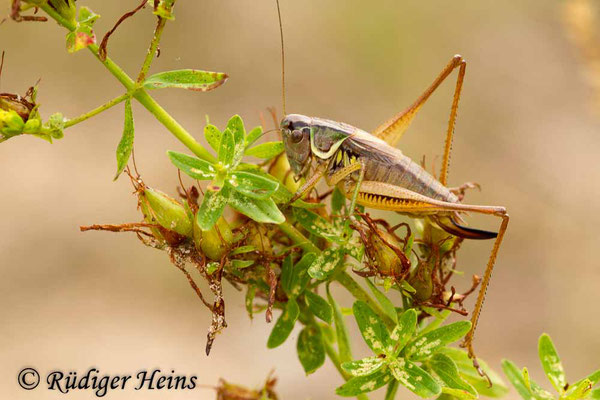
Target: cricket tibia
(451, 223)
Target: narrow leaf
(580, 390)
(372, 328)
(404, 330)
(299, 278)
(226, 149)
(388, 307)
(325, 263)
(338, 200)
(265, 211)
(468, 373)
(365, 384)
(514, 376)
(191, 79)
(414, 378)
(266, 150)
(192, 166)
(551, 363)
(318, 225)
(287, 269)
(253, 135)
(363, 367)
(447, 371)
(236, 126)
(311, 349)
(284, 325)
(252, 185)
(318, 306)
(126, 144)
(423, 346)
(212, 207)
(340, 329)
(249, 301)
(212, 134)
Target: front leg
(310, 182)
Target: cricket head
(295, 130)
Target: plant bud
(280, 169)
(214, 242)
(257, 236)
(11, 124)
(422, 281)
(387, 262)
(169, 213)
(16, 103)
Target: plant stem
(160, 26)
(298, 238)
(96, 111)
(139, 93)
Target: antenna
(282, 59)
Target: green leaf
(372, 328)
(299, 278)
(514, 376)
(364, 384)
(325, 263)
(252, 185)
(318, 306)
(551, 363)
(241, 264)
(595, 394)
(318, 225)
(253, 135)
(126, 144)
(236, 126)
(212, 134)
(242, 250)
(447, 370)
(414, 378)
(212, 207)
(284, 325)
(265, 211)
(338, 200)
(594, 377)
(287, 269)
(227, 149)
(191, 79)
(404, 330)
(249, 301)
(311, 349)
(87, 16)
(266, 150)
(388, 307)
(534, 388)
(452, 394)
(341, 330)
(192, 166)
(468, 373)
(83, 35)
(579, 391)
(423, 346)
(363, 367)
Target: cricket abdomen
(387, 164)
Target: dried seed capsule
(422, 281)
(387, 261)
(169, 213)
(214, 242)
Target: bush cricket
(371, 171)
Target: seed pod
(18, 104)
(230, 391)
(11, 124)
(280, 169)
(169, 213)
(422, 281)
(387, 261)
(257, 236)
(214, 242)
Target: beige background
(526, 132)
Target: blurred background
(528, 132)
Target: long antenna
(282, 58)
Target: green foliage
(232, 184)
(552, 366)
(190, 79)
(126, 144)
(83, 35)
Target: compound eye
(297, 136)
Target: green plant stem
(139, 93)
(160, 26)
(342, 276)
(96, 111)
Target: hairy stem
(139, 93)
(160, 26)
(96, 111)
